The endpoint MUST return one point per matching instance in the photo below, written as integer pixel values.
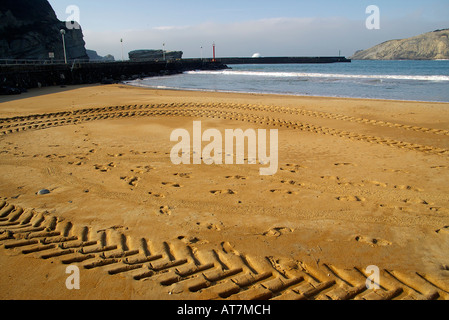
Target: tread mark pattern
(203, 274)
(216, 110)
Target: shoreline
(59, 89)
(276, 94)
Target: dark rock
(29, 29)
(43, 191)
(108, 81)
(5, 90)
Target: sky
(241, 28)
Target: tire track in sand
(44, 121)
(249, 107)
(177, 266)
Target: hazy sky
(244, 27)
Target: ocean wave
(321, 75)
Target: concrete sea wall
(33, 76)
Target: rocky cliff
(428, 46)
(29, 29)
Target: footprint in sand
(49, 156)
(344, 164)
(105, 168)
(405, 187)
(396, 170)
(416, 201)
(142, 169)
(394, 207)
(277, 232)
(372, 241)
(376, 183)
(296, 166)
(351, 198)
(76, 163)
(217, 192)
(283, 191)
(116, 155)
(183, 175)
(405, 209)
(102, 168)
(165, 210)
(354, 184)
(156, 195)
(192, 240)
(292, 182)
(293, 168)
(236, 177)
(209, 226)
(79, 161)
(334, 178)
(132, 181)
(172, 184)
(444, 230)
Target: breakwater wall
(41, 75)
(282, 60)
(27, 76)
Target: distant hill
(428, 46)
(93, 56)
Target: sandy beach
(359, 183)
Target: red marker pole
(213, 60)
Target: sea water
(393, 80)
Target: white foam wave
(321, 75)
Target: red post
(213, 60)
